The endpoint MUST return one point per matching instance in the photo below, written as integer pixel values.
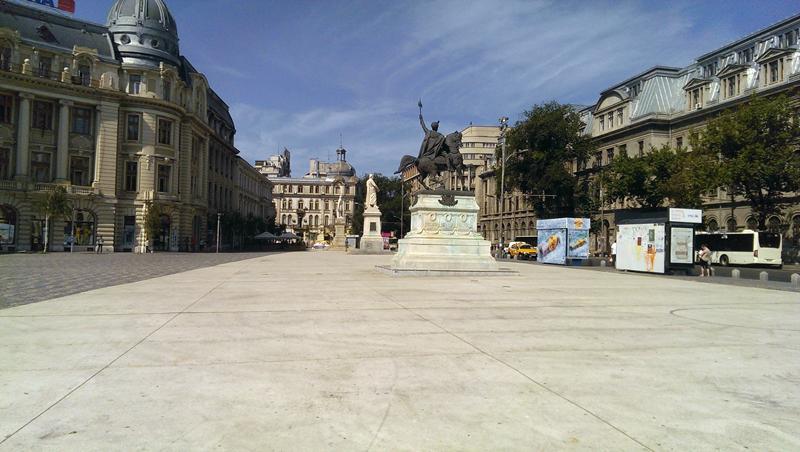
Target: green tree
(664, 176)
(551, 137)
(152, 222)
(55, 205)
(757, 148)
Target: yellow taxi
(522, 250)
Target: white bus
(742, 248)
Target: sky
(302, 74)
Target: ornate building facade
(121, 119)
(309, 203)
(663, 105)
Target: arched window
(795, 230)
(730, 226)
(283, 219)
(752, 223)
(774, 225)
(713, 226)
(83, 229)
(8, 225)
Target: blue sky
(296, 74)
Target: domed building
(120, 119)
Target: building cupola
(145, 32)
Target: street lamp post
(219, 216)
(503, 129)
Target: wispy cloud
(469, 61)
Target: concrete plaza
(318, 351)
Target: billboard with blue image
(552, 245)
(563, 238)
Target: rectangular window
(5, 164)
(163, 178)
(6, 103)
(300, 204)
(731, 86)
(82, 121)
(773, 72)
(623, 150)
(619, 117)
(164, 132)
(695, 98)
(79, 171)
(45, 64)
(610, 155)
(167, 90)
(42, 115)
(131, 176)
(40, 166)
(679, 142)
(132, 127)
(134, 83)
(85, 74)
(598, 159)
(641, 148)
(610, 120)
(602, 123)
(5, 58)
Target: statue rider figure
(433, 141)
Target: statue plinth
(444, 237)
(371, 239)
(339, 238)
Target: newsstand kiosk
(657, 241)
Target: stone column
(62, 160)
(23, 136)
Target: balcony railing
(50, 75)
(14, 185)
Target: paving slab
(319, 351)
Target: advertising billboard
(681, 243)
(552, 246)
(640, 247)
(578, 247)
(686, 215)
(64, 6)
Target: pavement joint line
(73, 390)
(430, 307)
(709, 322)
(518, 371)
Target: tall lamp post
(503, 129)
(219, 216)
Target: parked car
(320, 245)
(522, 250)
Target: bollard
(795, 280)
(763, 276)
(603, 263)
(736, 274)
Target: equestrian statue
(437, 153)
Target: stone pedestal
(444, 236)
(371, 240)
(339, 238)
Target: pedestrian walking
(705, 260)
(99, 247)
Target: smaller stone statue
(372, 193)
(340, 203)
